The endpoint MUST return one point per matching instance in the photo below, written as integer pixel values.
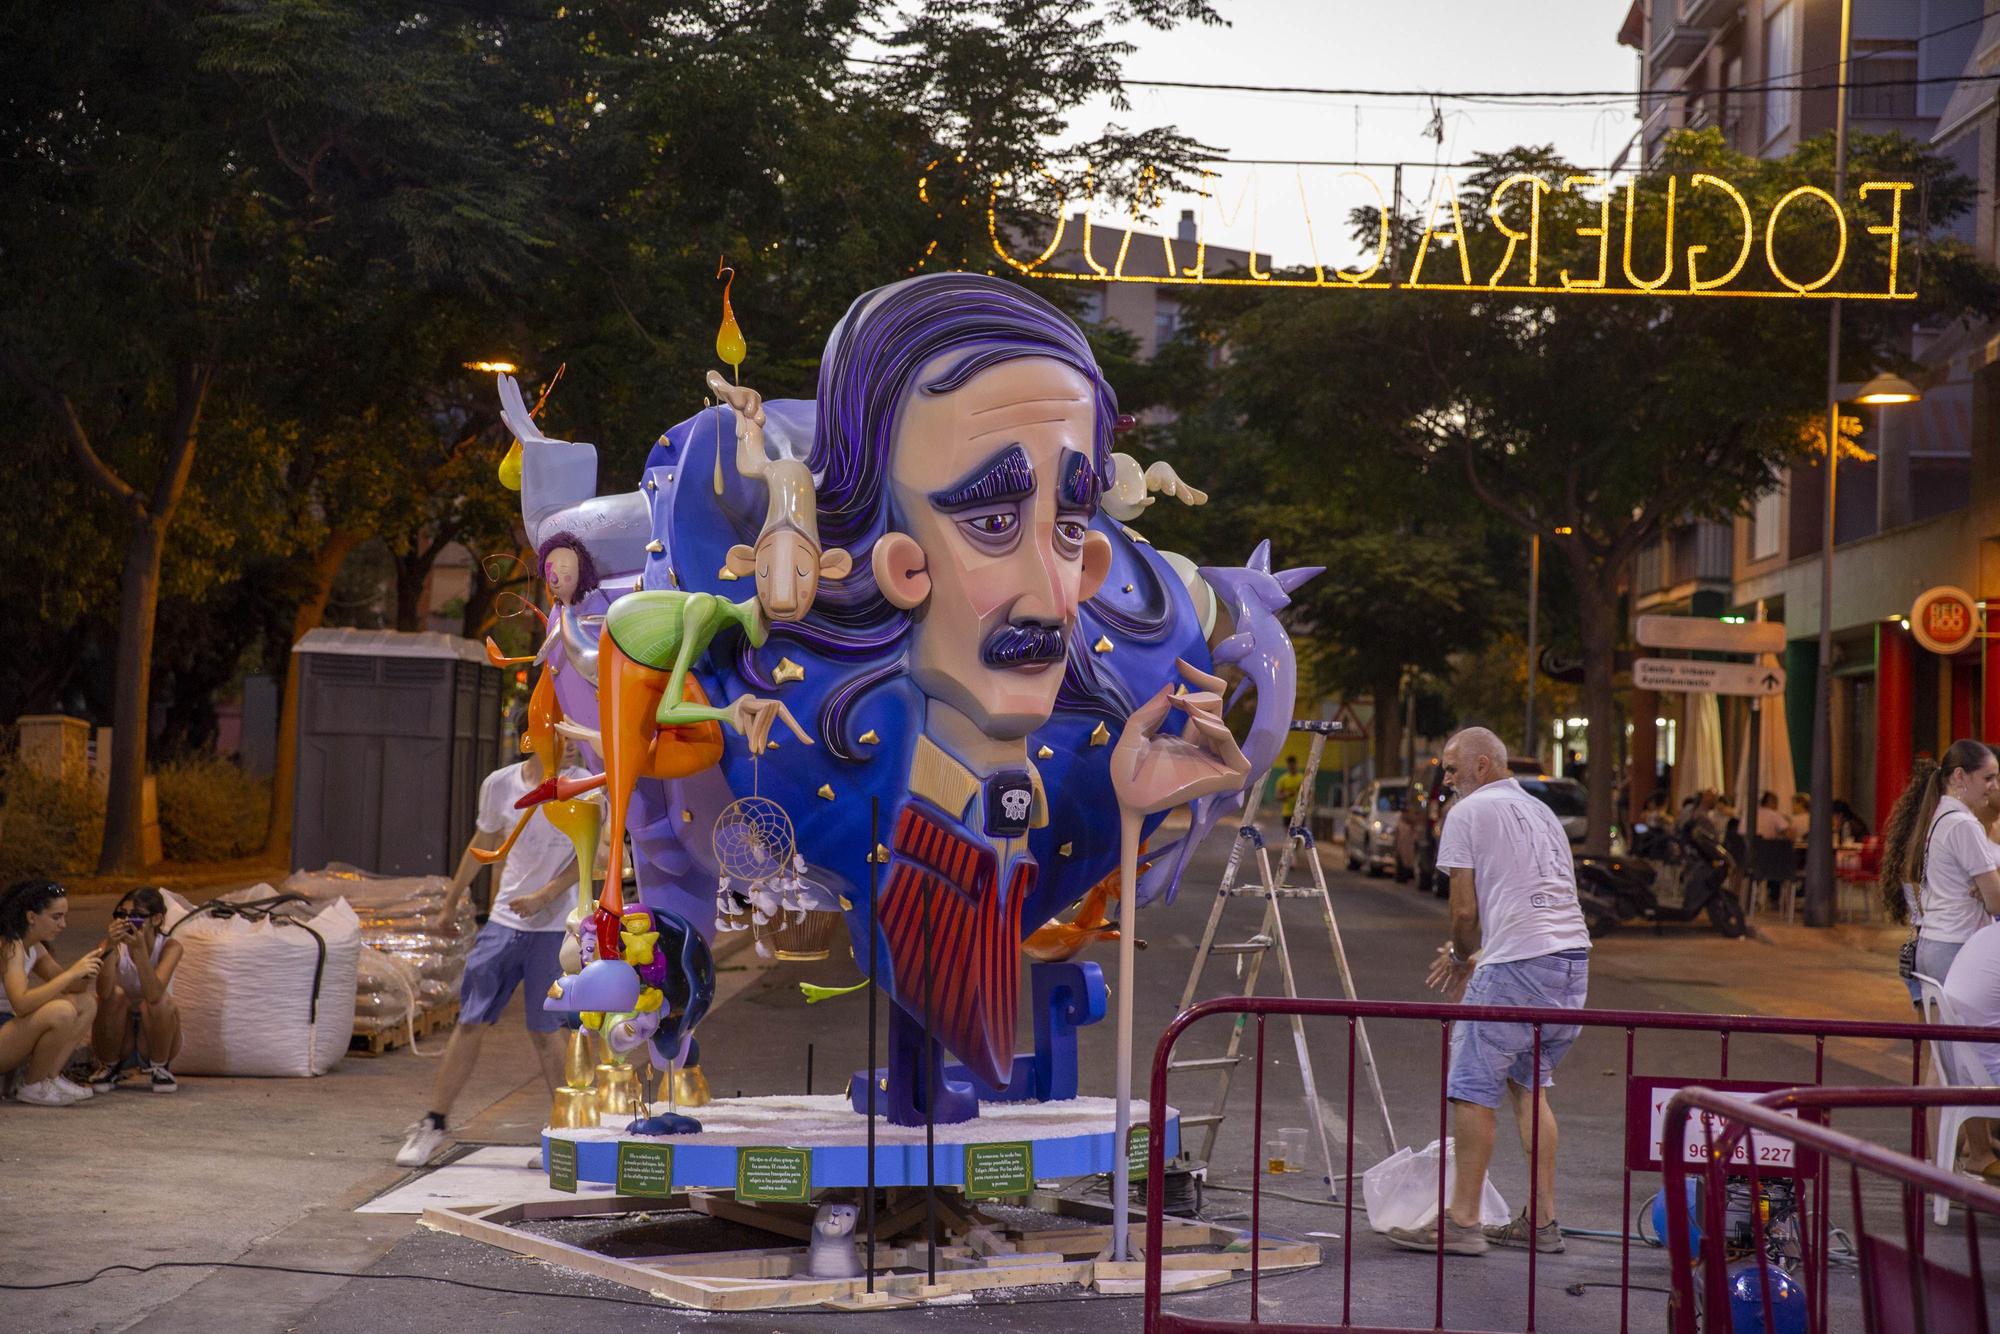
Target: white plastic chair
(1949, 1069)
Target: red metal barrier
(1901, 1289)
(1812, 1187)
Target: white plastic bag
(1402, 1190)
(261, 997)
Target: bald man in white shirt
(1514, 906)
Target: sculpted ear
(1096, 564)
(835, 564)
(741, 561)
(900, 572)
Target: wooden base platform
(976, 1254)
(373, 1041)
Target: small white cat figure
(831, 1252)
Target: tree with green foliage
(176, 167)
(251, 245)
(1599, 421)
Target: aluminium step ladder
(1272, 887)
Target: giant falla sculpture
(919, 591)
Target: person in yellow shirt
(1287, 785)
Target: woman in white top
(45, 1010)
(1899, 896)
(1948, 858)
(137, 1025)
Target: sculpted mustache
(1016, 645)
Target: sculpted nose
(1041, 596)
(782, 595)
(780, 589)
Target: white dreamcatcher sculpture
(762, 872)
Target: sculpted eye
(992, 525)
(1070, 533)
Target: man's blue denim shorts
(503, 959)
(1485, 1056)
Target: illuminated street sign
(1945, 620)
(1713, 261)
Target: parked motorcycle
(1622, 887)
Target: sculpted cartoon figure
(962, 441)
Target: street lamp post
(1819, 831)
(1534, 607)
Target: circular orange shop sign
(1945, 619)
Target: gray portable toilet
(396, 733)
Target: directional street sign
(1709, 636)
(1690, 676)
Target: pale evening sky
(1410, 44)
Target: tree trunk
(1597, 595)
(123, 851)
(411, 572)
(311, 611)
(1388, 725)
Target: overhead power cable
(1551, 97)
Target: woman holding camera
(45, 1009)
(137, 1026)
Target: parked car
(1569, 799)
(1371, 825)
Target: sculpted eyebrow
(1080, 483)
(1006, 476)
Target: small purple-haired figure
(567, 568)
(571, 577)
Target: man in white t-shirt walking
(520, 945)
(1513, 903)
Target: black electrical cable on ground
(503, 1291)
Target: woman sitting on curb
(45, 1010)
(137, 1026)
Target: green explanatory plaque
(1138, 1140)
(774, 1174)
(645, 1169)
(995, 1171)
(562, 1165)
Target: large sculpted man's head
(963, 437)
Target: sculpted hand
(748, 405)
(514, 411)
(753, 718)
(1162, 478)
(1152, 771)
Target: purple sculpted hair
(586, 568)
(871, 365)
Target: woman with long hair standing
(1899, 896)
(1945, 856)
(45, 1009)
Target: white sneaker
(424, 1140)
(44, 1093)
(77, 1092)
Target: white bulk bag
(266, 996)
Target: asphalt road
(268, 1172)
